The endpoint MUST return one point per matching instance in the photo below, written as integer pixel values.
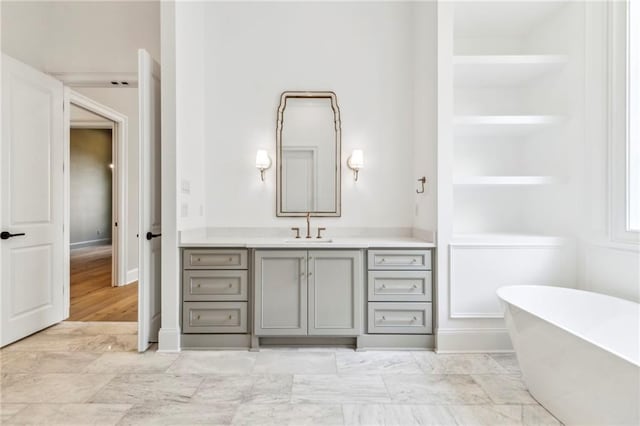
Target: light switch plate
(185, 186)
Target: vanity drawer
(214, 317)
(216, 285)
(399, 259)
(399, 318)
(215, 259)
(399, 286)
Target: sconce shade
(356, 161)
(263, 161)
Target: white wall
(190, 114)
(253, 52)
(425, 95)
(73, 36)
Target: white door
(31, 201)
(149, 226)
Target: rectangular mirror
(308, 154)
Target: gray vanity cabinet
(300, 292)
(280, 293)
(335, 300)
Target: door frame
(119, 187)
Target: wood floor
(92, 297)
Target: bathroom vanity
(248, 287)
(247, 292)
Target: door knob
(151, 235)
(6, 235)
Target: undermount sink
(303, 240)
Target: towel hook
(422, 181)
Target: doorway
(99, 290)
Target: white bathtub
(579, 352)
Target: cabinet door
(280, 293)
(335, 292)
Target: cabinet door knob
(230, 316)
(198, 317)
(230, 285)
(415, 319)
(415, 286)
(198, 285)
(413, 260)
(231, 259)
(384, 286)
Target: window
(624, 119)
(633, 118)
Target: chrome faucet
(308, 224)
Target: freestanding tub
(579, 352)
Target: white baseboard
(473, 340)
(169, 340)
(82, 244)
(132, 276)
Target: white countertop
(342, 242)
(203, 239)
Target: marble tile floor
(88, 373)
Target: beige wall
(91, 190)
(125, 101)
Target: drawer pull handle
(230, 316)
(198, 259)
(230, 285)
(415, 286)
(384, 318)
(198, 317)
(198, 285)
(415, 319)
(414, 260)
(384, 286)
(383, 260)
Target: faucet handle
(297, 232)
(320, 232)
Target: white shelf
(506, 240)
(501, 18)
(519, 125)
(503, 70)
(505, 180)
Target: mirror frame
(338, 140)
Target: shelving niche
(516, 120)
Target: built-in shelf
(503, 70)
(496, 125)
(506, 19)
(505, 180)
(506, 239)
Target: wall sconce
(263, 162)
(356, 162)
